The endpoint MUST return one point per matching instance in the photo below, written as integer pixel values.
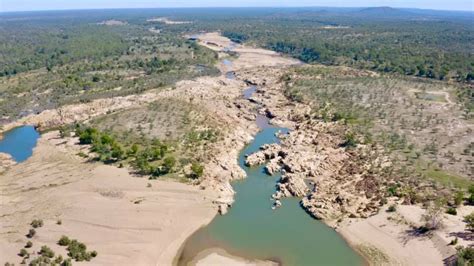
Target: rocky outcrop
(292, 185)
(267, 152)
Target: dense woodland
(382, 39)
(52, 59)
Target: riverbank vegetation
(421, 125)
(168, 137)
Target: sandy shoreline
(389, 238)
(118, 215)
(216, 256)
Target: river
(253, 230)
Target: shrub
(392, 208)
(67, 262)
(40, 261)
(78, 251)
(59, 222)
(58, 259)
(197, 170)
(23, 253)
(64, 241)
(452, 211)
(471, 195)
(168, 164)
(465, 256)
(87, 136)
(47, 252)
(31, 233)
(469, 219)
(454, 241)
(29, 244)
(459, 198)
(392, 191)
(433, 218)
(349, 141)
(36, 223)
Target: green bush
(168, 164)
(469, 219)
(452, 211)
(64, 241)
(459, 197)
(349, 141)
(29, 244)
(197, 170)
(58, 260)
(67, 262)
(47, 252)
(87, 136)
(36, 223)
(392, 208)
(465, 256)
(23, 253)
(471, 195)
(454, 242)
(31, 233)
(78, 251)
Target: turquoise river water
(251, 229)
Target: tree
(88, 136)
(433, 218)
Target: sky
(30, 5)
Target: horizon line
(229, 7)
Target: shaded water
(19, 142)
(253, 230)
(249, 92)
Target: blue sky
(26, 5)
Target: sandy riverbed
(389, 238)
(118, 215)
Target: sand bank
(120, 216)
(389, 238)
(216, 256)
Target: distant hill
(384, 11)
